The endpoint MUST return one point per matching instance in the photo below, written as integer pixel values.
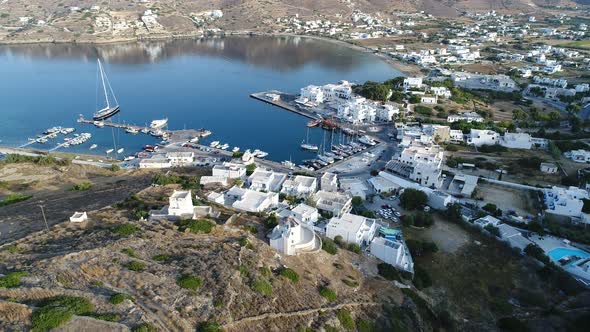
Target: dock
(285, 101)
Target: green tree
(413, 199)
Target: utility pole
(44, 219)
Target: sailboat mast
(106, 96)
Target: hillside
(118, 20)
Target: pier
(285, 101)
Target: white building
(467, 116)
(517, 141)
(266, 180)
(393, 252)
(412, 83)
(291, 237)
(329, 182)
(300, 186)
(79, 217)
(352, 229)
(428, 99)
(579, 156)
(441, 92)
(156, 161)
(334, 203)
(386, 112)
(311, 94)
(548, 168)
(565, 201)
(180, 206)
(180, 158)
(224, 172)
(246, 199)
(422, 164)
(480, 137)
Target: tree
(573, 109)
(493, 230)
(413, 199)
(357, 201)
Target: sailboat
(307, 146)
(109, 110)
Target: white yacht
(158, 123)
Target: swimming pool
(558, 253)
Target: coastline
(403, 68)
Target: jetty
(285, 101)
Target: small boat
(150, 148)
(259, 154)
(214, 144)
(314, 123)
(110, 151)
(309, 147)
(99, 124)
(329, 124)
(156, 124)
(120, 151)
(145, 130)
(224, 146)
(131, 130)
(367, 140)
(93, 146)
(288, 164)
(235, 149)
(194, 140)
(129, 158)
(204, 132)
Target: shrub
(161, 258)
(265, 271)
(129, 252)
(423, 110)
(201, 226)
(290, 274)
(209, 327)
(329, 246)
(421, 278)
(493, 230)
(339, 241)
(271, 221)
(14, 198)
(135, 266)
(59, 310)
(328, 294)
(81, 186)
(388, 272)
(12, 279)
(365, 325)
(125, 229)
(189, 282)
(119, 298)
(420, 248)
(345, 319)
(536, 252)
(354, 248)
(114, 168)
(144, 327)
(250, 169)
(109, 317)
(263, 287)
(493, 209)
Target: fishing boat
(93, 146)
(156, 124)
(313, 123)
(329, 124)
(108, 110)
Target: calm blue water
(558, 253)
(195, 83)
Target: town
(464, 179)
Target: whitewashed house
(517, 141)
(548, 168)
(329, 182)
(245, 199)
(266, 180)
(393, 252)
(334, 203)
(300, 186)
(311, 94)
(291, 237)
(412, 83)
(428, 99)
(224, 172)
(441, 91)
(352, 229)
(579, 156)
(565, 201)
(467, 116)
(180, 206)
(181, 158)
(479, 137)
